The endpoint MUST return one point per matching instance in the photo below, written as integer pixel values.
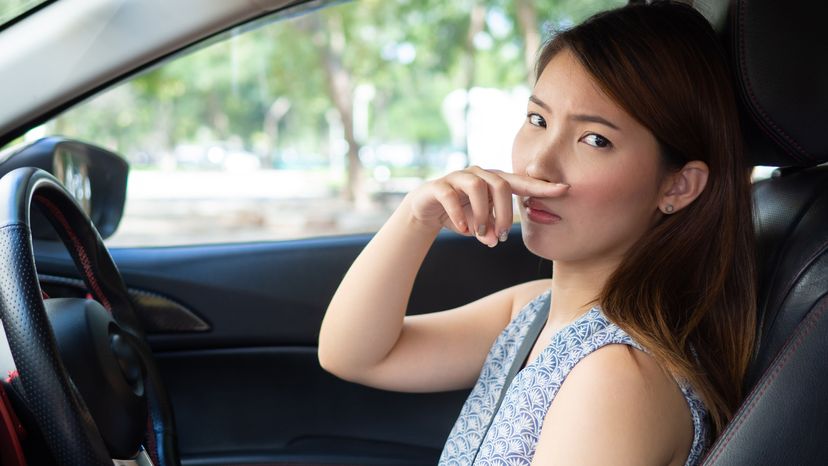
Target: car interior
(232, 328)
(780, 422)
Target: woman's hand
(476, 202)
(367, 338)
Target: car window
(762, 172)
(12, 9)
(319, 124)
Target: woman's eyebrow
(594, 119)
(577, 116)
(534, 99)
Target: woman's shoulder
(525, 293)
(629, 404)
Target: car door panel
(250, 388)
(277, 404)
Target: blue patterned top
(513, 435)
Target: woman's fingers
(527, 186)
(488, 210)
(477, 192)
(478, 202)
(453, 206)
(501, 195)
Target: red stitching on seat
(754, 101)
(818, 252)
(782, 359)
(86, 264)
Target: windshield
(12, 9)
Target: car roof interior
(75, 48)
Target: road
(198, 207)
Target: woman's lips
(539, 213)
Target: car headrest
(780, 57)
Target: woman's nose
(544, 165)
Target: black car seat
(779, 54)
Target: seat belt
(520, 358)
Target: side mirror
(96, 178)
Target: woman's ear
(682, 187)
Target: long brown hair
(689, 283)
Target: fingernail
(481, 230)
(503, 235)
(492, 245)
(562, 185)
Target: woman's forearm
(365, 316)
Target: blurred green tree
(374, 71)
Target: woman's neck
(575, 289)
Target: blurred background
(318, 124)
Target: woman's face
(575, 134)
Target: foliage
(265, 92)
(9, 9)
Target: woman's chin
(542, 245)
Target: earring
(668, 209)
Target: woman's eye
(596, 140)
(536, 120)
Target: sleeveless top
(513, 435)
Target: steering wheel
(87, 373)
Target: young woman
(630, 178)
